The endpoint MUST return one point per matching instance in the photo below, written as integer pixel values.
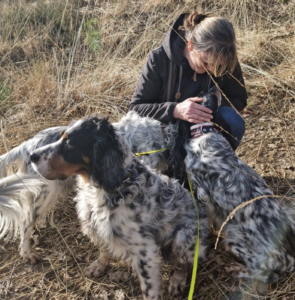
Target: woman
(176, 73)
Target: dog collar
(201, 129)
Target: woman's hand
(192, 112)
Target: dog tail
(20, 156)
(17, 195)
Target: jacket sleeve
(146, 98)
(235, 92)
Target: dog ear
(107, 158)
(215, 90)
(177, 151)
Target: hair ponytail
(192, 20)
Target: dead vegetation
(61, 60)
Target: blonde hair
(214, 35)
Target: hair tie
(201, 18)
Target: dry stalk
(231, 215)
(248, 174)
(225, 131)
(224, 94)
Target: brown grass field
(61, 60)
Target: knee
(235, 121)
(239, 128)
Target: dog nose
(34, 157)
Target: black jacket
(150, 96)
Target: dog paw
(31, 258)
(96, 269)
(177, 283)
(238, 270)
(118, 276)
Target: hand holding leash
(191, 111)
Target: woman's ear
(107, 159)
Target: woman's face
(200, 61)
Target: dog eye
(68, 142)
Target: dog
(263, 233)
(24, 216)
(125, 208)
(141, 134)
(18, 193)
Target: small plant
(5, 93)
(93, 36)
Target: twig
(230, 216)
(9, 280)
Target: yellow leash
(154, 151)
(195, 266)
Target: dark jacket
(150, 96)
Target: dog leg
(178, 282)
(183, 251)
(38, 206)
(265, 266)
(26, 253)
(147, 264)
(238, 270)
(262, 272)
(97, 268)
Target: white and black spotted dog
(17, 193)
(141, 134)
(124, 207)
(263, 233)
(20, 212)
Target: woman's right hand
(192, 112)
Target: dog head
(212, 99)
(89, 148)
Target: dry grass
(61, 60)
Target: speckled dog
(131, 212)
(20, 212)
(263, 233)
